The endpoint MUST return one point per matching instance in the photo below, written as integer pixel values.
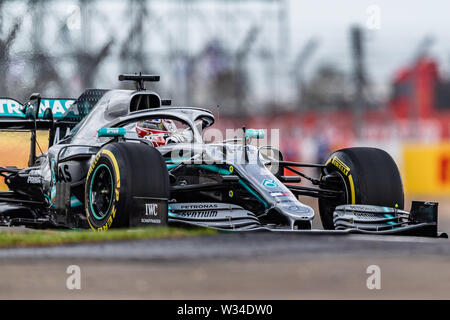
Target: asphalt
(235, 266)
(232, 266)
(239, 246)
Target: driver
(161, 132)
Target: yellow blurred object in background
(426, 168)
(15, 149)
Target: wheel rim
(101, 192)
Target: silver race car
(126, 158)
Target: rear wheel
(365, 176)
(119, 173)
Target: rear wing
(12, 117)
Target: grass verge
(52, 237)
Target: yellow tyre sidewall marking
(345, 169)
(352, 188)
(109, 222)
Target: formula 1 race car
(126, 158)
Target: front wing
(348, 219)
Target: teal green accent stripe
(254, 133)
(74, 202)
(242, 183)
(178, 159)
(52, 195)
(53, 192)
(49, 200)
(214, 168)
(389, 216)
(225, 172)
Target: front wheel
(365, 176)
(120, 173)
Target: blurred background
(328, 74)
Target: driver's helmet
(156, 130)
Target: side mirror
(254, 133)
(290, 179)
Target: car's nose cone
(297, 210)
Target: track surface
(260, 266)
(239, 246)
(235, 266)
